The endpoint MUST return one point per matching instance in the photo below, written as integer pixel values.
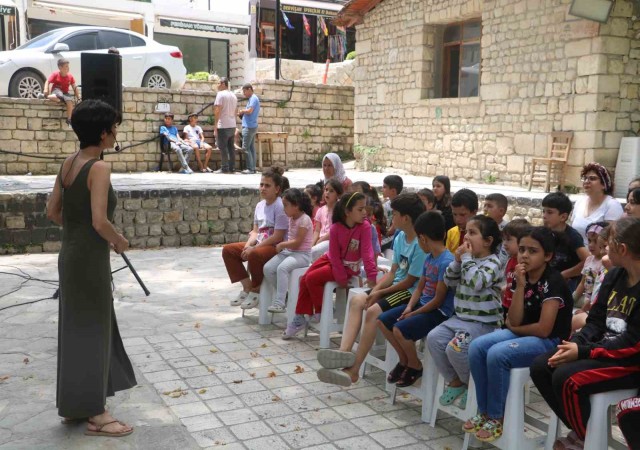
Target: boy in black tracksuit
(607, 357)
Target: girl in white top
(294, 253)
(598, 204)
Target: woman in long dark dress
(92, 362)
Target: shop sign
(197, 26)
(7, 10)
(308, 10)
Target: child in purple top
(294, 253)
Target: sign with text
(308, 10)
(7, 10)
(198, 26)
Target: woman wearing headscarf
(332, 167)
(598, 204)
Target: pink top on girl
(303, 221)
(348, 249)
(323, 220)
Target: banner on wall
(198, 26)
(310, 11)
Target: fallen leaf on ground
(4, 378)
(253, 374)
(275, 398)
(263, 346)
(176, 393)
(197, 325)
(214, 350)
(254, 355)
(202, 391)
(211, 369)
(28, 377)
(237, 381)
(271, 374)
(299, 369)
(26, 360)
(268, 360)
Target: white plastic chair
(266, 297)
(463, 414)
(599, 425)
(424, 389)
(294, 290)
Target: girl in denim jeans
(538, 319)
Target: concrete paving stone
(449, 423)
(384, 405)
(424, 431)
(270, 442)
(279, 381)
(369, 393)
(447, 443)
(222, 339)
(214, 437)
(246, 387)
(202, 422)
(236, 416)
(224, 366)
(358, 443)
(275, 355)
(188, 397)
(212, 358)
(180, 363)
(190, 409)
(153, 367)
(291, 392)
(294, 346)
(236, 377)
(164, 375)
(308, 376)
(245, 336)
(257, 343)
(144, 358)
(263, 373)
(175, 354)
(321, 447)
(318, 387)
(213, 331)
(236, 355)
(303, 438)
(225, 404)
(189, 343)
(257, 398)
(205, 349)
(308, 355)
(232, 446)
(203, 381)
(343, 431)
(273, 409)
(393, 438)
(301, 404)
(213, 392)
(252, 363)
(231, 346)
(404, 417)
(165, 386)
(353, 411)
(158, 338)
(137, 349)
(193, 371)
(322, 416)
(251, 430)
(294, 367)
(130, 342)
(186, 335)
(338, 398)
(167, 345)
(284, 424)
(371, 424)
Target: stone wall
(167, 218)
(318, 119)
(542, 70)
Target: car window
(137, 42)
(43, 40)
(82, 41)
(114, 39)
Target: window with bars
(461, 59)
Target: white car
(145, 62)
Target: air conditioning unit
(628, 165)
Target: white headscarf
(338, 168)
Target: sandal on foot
(450, 394)
(334, 376)
(335, 359)
(409, 377)
(474, 424)
(490, 431)
(396, 374)
(99, 432)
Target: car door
(133, 55)
(78, 42)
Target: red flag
(323, 25)
(307, 27)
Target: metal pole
(277, 39)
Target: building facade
(472, 88)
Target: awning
(104, 13)
(310, 8)
(7, 8)
(354, 11)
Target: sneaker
(296, 326)
(242, 295)
(189, 171)
(219, 171)
(41, 96)
(247, 172)
(277, 307)
(315, 318)
(251, 301)
(184, 171)
(208, 170)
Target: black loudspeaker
(102, 78)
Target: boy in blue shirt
(430, 305)
(394, 289)
(249, 117)
(169, 132)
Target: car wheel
(26, 84)
(156, 79)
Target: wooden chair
(267, 40)
(555, 162)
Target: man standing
(249, 117)
(225, 125)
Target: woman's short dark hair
(91, 118)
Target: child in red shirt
(58, 85)
(511, 234)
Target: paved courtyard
(207, 377)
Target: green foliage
(367, 154)
(282, 103)
(209, 120)
(491, 178)
(306, 134)
(571, 189)
(351, 55)
(198, 76)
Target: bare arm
(295, 243)
(54, 205)
(436, 301)
(253, 236)
(98, 183)
(543, 327)
(216, 117)
(46, 88)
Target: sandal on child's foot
(395, 374)
(409, 377)
(277, 307)
(474, 424)
(334, 376)
(451, 393)
(490, 431)
(335, 359)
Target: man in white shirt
(225, 125)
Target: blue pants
(249, 147)
(491, 358)
(415, 327)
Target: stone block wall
(542, 70)
(318, 119)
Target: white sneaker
(239, 299)
(277, 307)
(251, 301)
